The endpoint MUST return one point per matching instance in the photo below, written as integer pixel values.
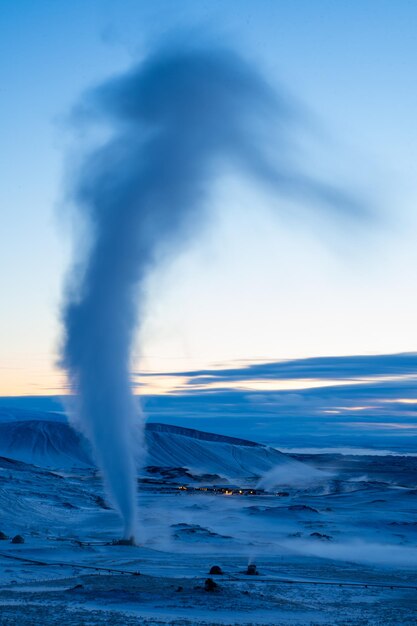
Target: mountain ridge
(55, 444)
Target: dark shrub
(18, 539)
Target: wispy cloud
(372, 381)
(354, 400)
(336, 368)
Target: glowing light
(356, 408)
(270, 385)
(401, 401)
(160, 385)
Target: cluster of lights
(227, 491)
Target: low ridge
(55, 444)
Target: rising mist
(172, 122)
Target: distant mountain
(53, 443)
(202, 452)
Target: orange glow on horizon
(42, 379)
(32, 381)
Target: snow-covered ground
(333, 538)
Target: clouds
(358, 401)
(334, 368)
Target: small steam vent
(124, 542)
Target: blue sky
(264, 281)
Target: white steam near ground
(293, 474)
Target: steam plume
(174, 119)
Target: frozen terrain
(53, 443)
(333, 536)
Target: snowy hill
(44, 443)
(51, 443)
(204, 452)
